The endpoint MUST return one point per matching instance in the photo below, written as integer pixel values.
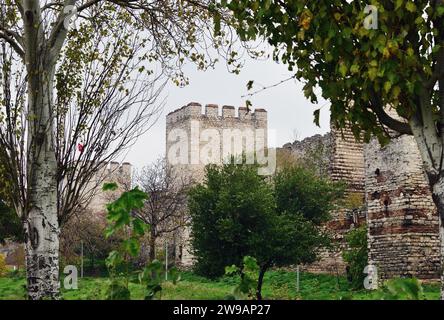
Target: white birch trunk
(42, 232)
(430, 148)
(41, 225)
(41, 220)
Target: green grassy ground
(277, 285)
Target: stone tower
(403, 225)
(196, 137)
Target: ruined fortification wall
(402, 221)
(386, 188)
(314, 151)
(403, 236)
(346, 165)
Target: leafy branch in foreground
(121, 217)
(153, 276)
(249, 275)
(402, 289)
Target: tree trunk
(260, 281)
(41, 223)
(42, 236)
(438, 198)
(152, 246)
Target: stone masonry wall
(346, 165)
(315, 149)
(403, 236)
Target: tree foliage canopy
(300, 190)
(231, 214)
(359, 69)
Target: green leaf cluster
(402, 289)
(120, 217)
(248, 278)
(152, 277)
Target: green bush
(232, 212)
(356, 256)
(118, 290)
(3, 269)
(402, 289)
(237, 213)
(249, 272)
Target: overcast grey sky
(289, 112)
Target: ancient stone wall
(314, 152)
(403, 236)
(385, 188)
(347, 165)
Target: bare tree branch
(4, 35)
(165, 209)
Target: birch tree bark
(41, 225)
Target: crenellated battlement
(213, 111)
(197, 135)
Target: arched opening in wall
(180, 252)
(386, 203)
(377, 172)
